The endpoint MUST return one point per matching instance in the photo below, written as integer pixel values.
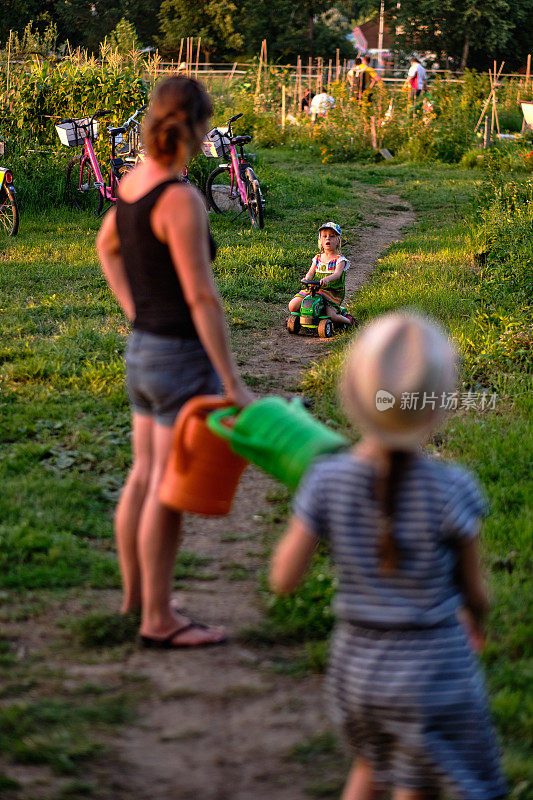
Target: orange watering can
(203, 472)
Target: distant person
(321, 104)
(403, 529)
(353, 72)
(305, 102)
(329, 267)
(365, 78)
(417, 78)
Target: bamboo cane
(258, 82)
(8, 60)
(181, 50)
(310, 77)
(283, 107)
(337, 65)
(197, 57)
(329, 74)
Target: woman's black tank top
(159, 303)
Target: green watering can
(277, 435)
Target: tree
(285, 25)
(214, 20)
(124, 38)
(468, 32)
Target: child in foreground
(329, 267)
(403, 681)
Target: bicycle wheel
(9, 212)
(255, 199)
(81, 193)
(223, 197)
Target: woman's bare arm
(108, 247)
(180, 220)
(292, 557)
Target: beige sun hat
(396, 377)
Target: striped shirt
(438, 505)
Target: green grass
(64, 433)
(432, 270)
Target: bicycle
(9, 212)
(234, 182)
(83, 174)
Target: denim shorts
(163, 372)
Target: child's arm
(292, 557)
(311, 272)
(472, 586)
(341, 264)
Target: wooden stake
(329, 74)
(258, 82)
(197, 57)
(337, 65)
(8, 61)
(283, 107)
(319, 77)
(181, 49)
(373, 137)
(310, 77)
(528, 70)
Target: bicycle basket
(72, 134)
(215, 143)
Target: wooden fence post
(283, 107)
(528, 68)
(329, 74)
(338, 64)
(197, 57)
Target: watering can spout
(277, 435)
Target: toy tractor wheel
(293, 324)
(325, 328)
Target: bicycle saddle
(116, 131)
(241, 139)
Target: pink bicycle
(84, 181)
(233, 183)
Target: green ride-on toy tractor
(313, 316)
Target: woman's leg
(159, 539)
(129, 509)
(360, 785)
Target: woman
(155, 249)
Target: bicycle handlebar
(134, 116)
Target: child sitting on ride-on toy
(328, 267)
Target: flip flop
(168, 642)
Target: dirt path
(216, 723)
(221, 722)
